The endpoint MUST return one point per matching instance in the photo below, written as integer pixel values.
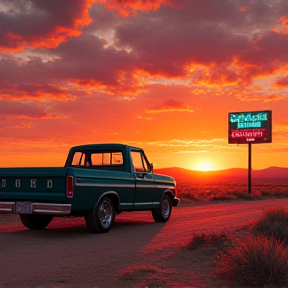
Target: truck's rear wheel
(162, 213)
(102, 217)
(35, 221)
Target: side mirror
(151, 167)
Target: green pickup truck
(97, 182)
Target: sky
(157, 74)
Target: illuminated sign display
(250, 127)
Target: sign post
(250, 128)
(249, 168)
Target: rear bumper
(36, 208)
(175, 201)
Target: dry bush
(281, 193)
(187, 196)
(212, 239)
(256, 261)
(220, 197)
(138, 272)
(273, 223)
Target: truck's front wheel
(34, 221)
(162, 214)
(102, 217)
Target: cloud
(40, 24)
(208, 34)
(200, 42)
(130, 7)
(170, 106)
(282, 82)
(144, 118)
(22, 115)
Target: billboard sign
(250, 127)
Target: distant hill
(221, 175)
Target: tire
(102, 217)
(162, 213)
(34, 221)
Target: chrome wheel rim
(105, 214)
(166, 208)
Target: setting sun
(204, 166)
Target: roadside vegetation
(258, 258)
(225, 191)
(216, 240)
(273, 223)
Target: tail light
(70, 187)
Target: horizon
(161, 75)
(267, 168)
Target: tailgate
(33, 184)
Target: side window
(78, 159)
(139, 162)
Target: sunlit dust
(204, 166)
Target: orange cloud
(33, 91)
(216, 76)
(170, 106)
(36, 31)
(263, 98)
(282, 28)
(121, 87)
(282, 82)
(127, 8)
(23, 114)
(144, 118)
(43, 117)
(19, 125)
(87, 84)
(243, 9)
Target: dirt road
(66, 254)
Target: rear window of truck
(107, 158)
(97, 159)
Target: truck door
(144, 191)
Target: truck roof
(104, 146)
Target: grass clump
(273, 223)
(255, 261)
(205, 240)
(138, 272)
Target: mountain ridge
(232, 173)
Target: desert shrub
(221, 197)
(186, 196)
(244, 195)
(273, 223)
(280, 193)
(255, 261)
(136, 272)
(211, 239)
(265, 193)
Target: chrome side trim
(163, 181)
(47, 208)
(6, 206)
(105, 185)
(147, 203)
(39, 208)
(164, 187)
(140, 203)
(145, 186)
